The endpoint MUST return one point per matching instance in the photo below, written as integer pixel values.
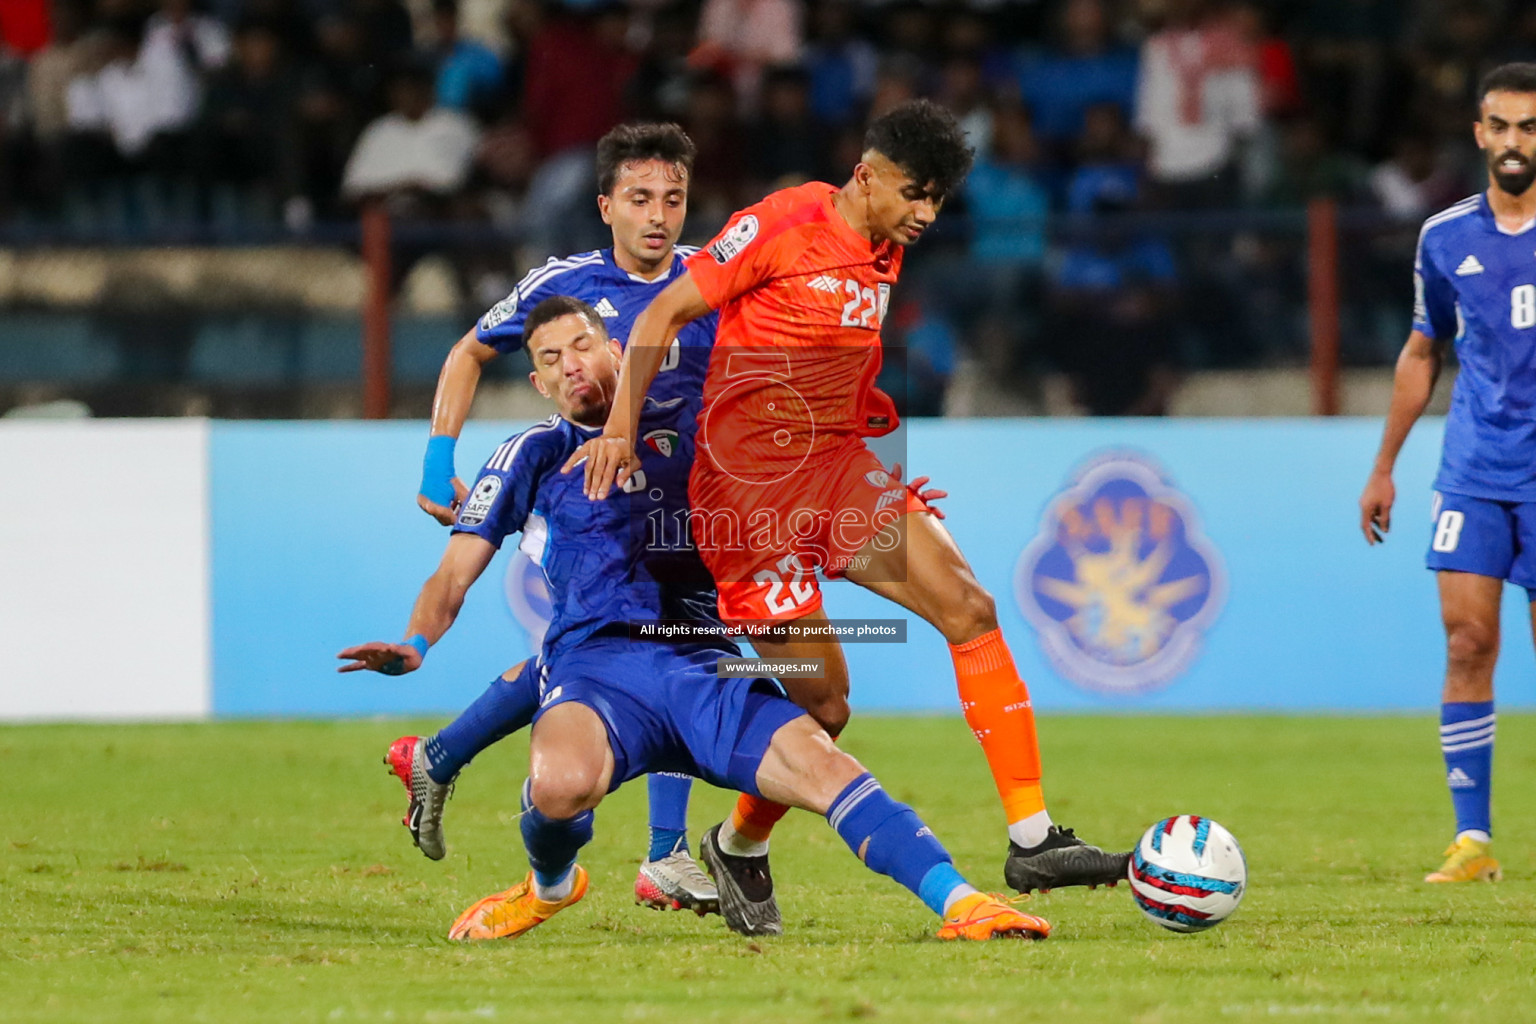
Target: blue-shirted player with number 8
(1475, 286)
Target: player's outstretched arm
(441, 489)
(611, 457)
(436, 608)
(1413, 382)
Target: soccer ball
(1187, 873)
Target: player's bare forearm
(441, 489)
(610, 457)
(642, 361)
(646, 349)
(1413, 382)
(441, 597)
(437, 606)
(456, 384)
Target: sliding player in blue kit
(1475, 283)
(612, 706)
(643, 178)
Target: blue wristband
(437, 470)
(397, 667)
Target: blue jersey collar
(1485, 209)
(672, 271)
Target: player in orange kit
(784, 484)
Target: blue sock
(941, 880)
(669, 812)
(890, 838)
(503, 709)
(1466, 740)
(552, 844)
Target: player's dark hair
(662, 141)
(555, 307)
(925, 141)
(1515, 77)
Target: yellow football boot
(984, 916)
(1467, 860)
(506, 915)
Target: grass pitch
(258, 871)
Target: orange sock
(996, 705)
(755, 817)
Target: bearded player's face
(1506, 133)
(647, 209)
(899, 208)
(577, 366)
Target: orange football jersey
(801, 297)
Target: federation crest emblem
(663, 441)
(1121, 582)
(528, 597)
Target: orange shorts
(764, 543)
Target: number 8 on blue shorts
(1486, 537)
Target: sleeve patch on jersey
(499, 313)
(478, 505)
(730, 245)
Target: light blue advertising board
(1136, 565)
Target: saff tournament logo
(528, 597)
(1120, 582)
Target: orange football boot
(506, 915)
(1468, 860)
(985, 916)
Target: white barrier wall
(104, 570)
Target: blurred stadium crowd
(1140, 162)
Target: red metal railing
(1323, 303)
(376, 303)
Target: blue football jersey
(619, 297)
(1476, 284)
(628, 558)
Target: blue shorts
(1486, 537)
(666, 711)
